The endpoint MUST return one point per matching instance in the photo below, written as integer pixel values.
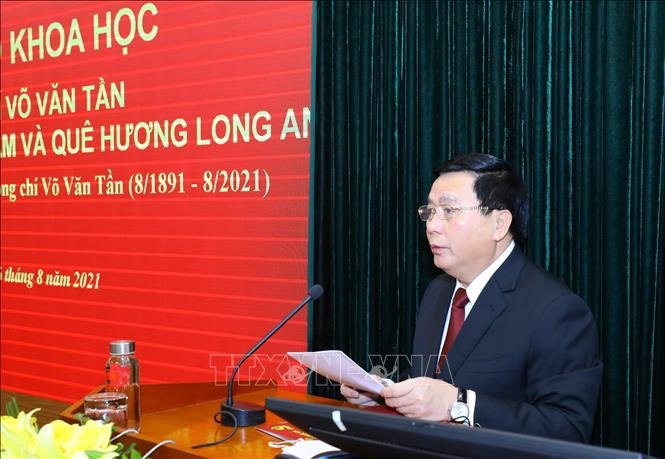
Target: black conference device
(367, 434)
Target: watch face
(459, 410)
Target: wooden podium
(184, 413)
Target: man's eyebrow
(448, 199)
(444, 199)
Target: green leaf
(12, 408)
(81, 418)
(131, 452)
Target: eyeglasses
(445, 212)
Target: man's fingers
(409, 399)
(368, 402)
(397, 390)
(349, 392)
(356, 397)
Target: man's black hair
(497, 186)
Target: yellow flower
(18, 435)
(59, 439)
(56, 440)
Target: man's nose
(434, 224)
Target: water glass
(107, 407)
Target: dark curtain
(571, 93)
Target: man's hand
(423, 398)
(357, 397)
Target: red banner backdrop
(155, 176)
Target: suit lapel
(488, 307)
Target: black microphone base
(246, 414)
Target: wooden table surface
(184, 413)
(194, 424)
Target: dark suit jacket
(529, 349)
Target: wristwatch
(459, 412)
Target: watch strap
(461, 395)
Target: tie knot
(460, 299)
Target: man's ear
(502, 223)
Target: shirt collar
(477, 285)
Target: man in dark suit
(499, 343)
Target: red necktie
(454, 324)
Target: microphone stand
(244, 414)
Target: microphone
(245, 414)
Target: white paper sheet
(337, 366)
